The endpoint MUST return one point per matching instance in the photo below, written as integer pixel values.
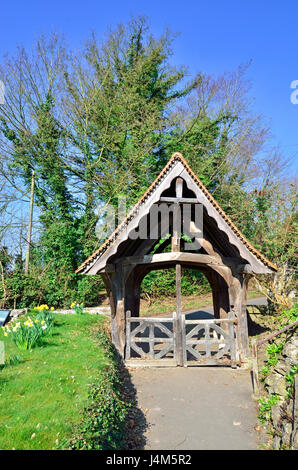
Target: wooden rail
(143, 323)
(254, 347)
(191, 339)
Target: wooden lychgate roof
(219, 222)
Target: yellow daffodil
(42, 307)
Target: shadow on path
(136, 423)
(199, 315)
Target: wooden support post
(178, 289)
(151, 340)
(175, 335)
(176, 228)
(237, 293)
(176, 248)
(178, 310)
(232, 337)
(179, 187)
(128, 328)
(177, 218)
(117, 300)
(184, 351)
(255, 371)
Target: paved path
(207, 312)
(197, 408)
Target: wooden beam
(110, 268)
(257, 265)
(244, 269)
(171, 257)
(179, 200)
(99, 262)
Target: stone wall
(106, 310)
(284, 415)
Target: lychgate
(178, 211)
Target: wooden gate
(153, 340)
(173, 341)
(209, 342)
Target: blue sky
(216, 36)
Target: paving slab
(198, 408)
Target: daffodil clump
(43, 307)
(46, 316)
(26, 334)
(78, 308)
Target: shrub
(162, 283)
(54, 288)
(265, 406)
(290, 377)
(290, 315)
(273, 352)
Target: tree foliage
(100, 123)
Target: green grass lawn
(166, 305)
(42, 397)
